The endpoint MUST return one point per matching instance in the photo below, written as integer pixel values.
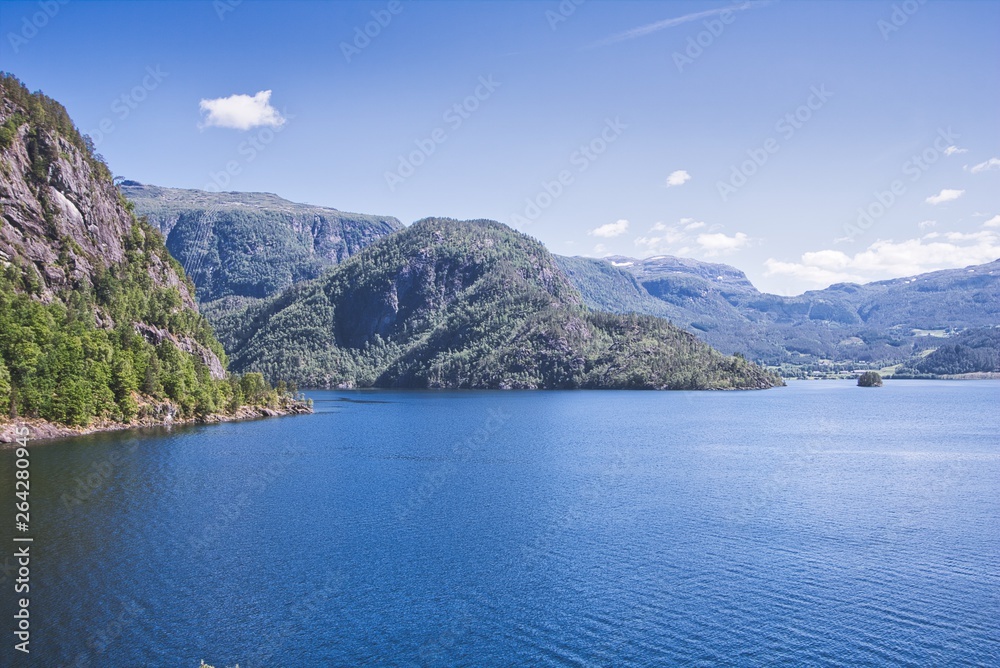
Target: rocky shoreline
(45, 430)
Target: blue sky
(804, 142)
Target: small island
(870, 379)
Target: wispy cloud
(992, 163)
(650, 28)
(717, 243)
(678, 239)
(952, 150)
(946, 195)
(609, 230)
(240, 112)
(993, 222)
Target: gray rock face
(252, 244)
(65, 223)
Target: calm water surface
(818, 524)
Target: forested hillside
(252, 244)
(97, 320)
(470, 304)
(972, 351)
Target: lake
(820, 524)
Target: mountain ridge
(465, 304)
(881, 321)
(236, 244)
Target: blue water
(818, 524)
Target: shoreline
(43, 430)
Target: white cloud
(946, 195)
(678, 178)
(831, 260)
(992, 163)
(241, 112)
(677, 239)
(611, 229)
(817, 276)
(925, 224)
(889, 259)
(718, 243)
(952, 150)
(993, 222)
(642, 31)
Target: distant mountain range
(241, 247)
(465, 304)
(883, 322)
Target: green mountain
(235, 244)
(882, 322)
(97, 320)
(474, 304)
(971, 351)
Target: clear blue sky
(883, 84)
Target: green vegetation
(972, 351)
(870, 379)
(56, 364)
(875, 325)
(117, 341)
(252, 244)
(465, 305)
(42, 113)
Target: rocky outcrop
(252, 244)
(41, 430)
(63, 221)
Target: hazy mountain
(252, 244)
(468, 304)
(974, 351)
(884, 321)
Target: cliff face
(252, 244)
(64, 223)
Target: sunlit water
(815, 524)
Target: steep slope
(252, 244)
(468, 304)
(885, 321)
(97, 321)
